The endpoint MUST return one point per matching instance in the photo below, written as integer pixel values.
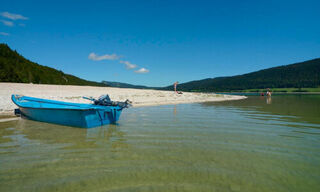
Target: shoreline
(273, 93)
(73, 93)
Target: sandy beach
(139, 97)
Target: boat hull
(85, 116)
(75, 118)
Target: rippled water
(249, 145)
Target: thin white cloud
(13, 16)
(128, 64)
(142, 70)
(7, 23)
(4, 34)
(95, 57)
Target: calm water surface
(249, 145)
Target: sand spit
(70, 93)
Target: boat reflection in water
(46, 133)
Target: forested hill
(298, 75)
(15, 68)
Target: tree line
(299, 75)
(15, 68)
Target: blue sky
(156, 43)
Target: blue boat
(102, 112)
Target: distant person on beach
(175, 86)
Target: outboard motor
(105, 100)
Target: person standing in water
(268, 93)
(175, 86)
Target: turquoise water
(249, 145)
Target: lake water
(256, 144)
